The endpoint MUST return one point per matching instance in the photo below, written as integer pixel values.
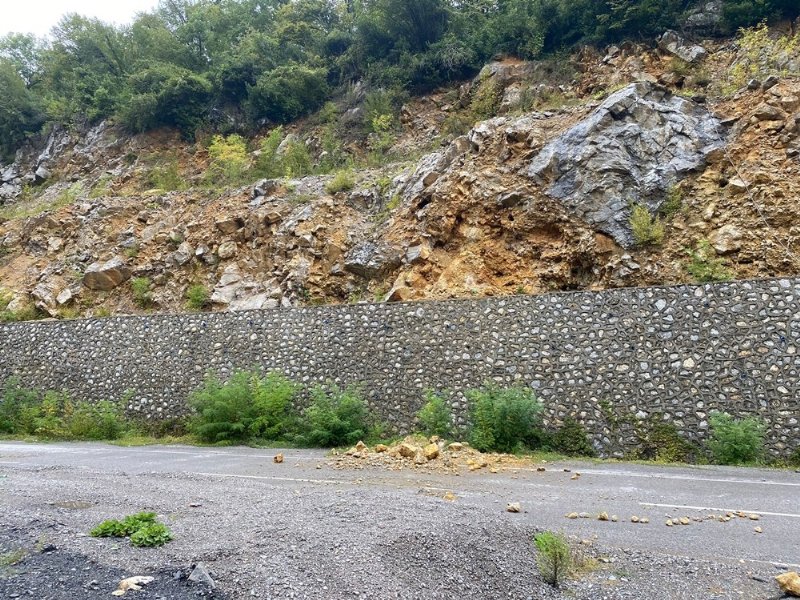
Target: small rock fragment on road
(278, 458)
(758, 530)
(790, 583)
(132, 583)
(755, 517)
(514, 507)
(603, 516)
(634, 519)
(449, 496)
(572, 515)
(200, 575)
(684, 520)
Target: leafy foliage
(736, 441)
(504, 419)
(554, 557)
(705, 266)
(335, 417)
(152, 535)
(142, 528)
(204, 64)
(647, 230)
(229, 160)
(53, 415)
(435, 416)
(571, 439)
(246, 407)
(197, 297)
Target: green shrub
(165, 175)
(296, 161)
(140, 286)
(504, 420)
(100, 421)
(16, 404)
(673, 202)
(647, 230)
(286, 93)
(794, 458)
(736, 441)
(197, 297)
(268, 163)
(436, 417)
(705, 266)
(571, 439)
(343, 181)
(229, 160)
(335, 417)
(244, 408)
(486, 99)
(554, 557)
(660, 441)
(155, 534)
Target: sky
(39, 16)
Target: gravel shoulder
(304, 529)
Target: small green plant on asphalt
(705, 266)
(435, 416)
(150, 536)
(142, 528)
(504, 419)
(14, 557)
(554, 557)
(647, 230)
(736, 441)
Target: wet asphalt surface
(303, 529)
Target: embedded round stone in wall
(106, 276)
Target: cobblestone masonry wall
(610, 358)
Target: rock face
(674, 44)
(369, 260)
(631, 149)
(106, 276)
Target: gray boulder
(672, 43)
(369, 260)
(631, 149)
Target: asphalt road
(37, 479)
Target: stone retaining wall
(612, 359)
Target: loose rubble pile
(426, 454)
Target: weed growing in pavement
(554, 557)
(142, 529)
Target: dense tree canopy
(274, 60)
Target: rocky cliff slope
(633, 166)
